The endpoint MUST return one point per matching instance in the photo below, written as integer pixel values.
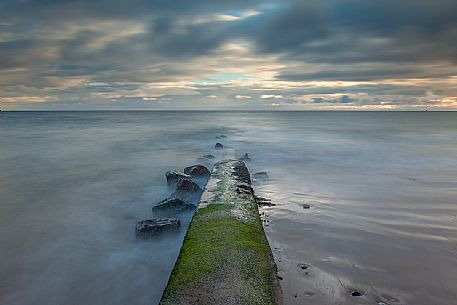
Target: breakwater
(225, 257)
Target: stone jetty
(225, 257)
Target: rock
(208, 157)
(157, 225)
(245, 189)
(173, 203)
(188, 190)
(261, 176)
(221, 136)
(218, 146)
(241, 172)
(245, 157)
(303, 266)
(263, 201)
(174, 176)
(356, 293)
(197, 171)
(306, 206)
(187, 186)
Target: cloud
(82, 53)
(270, 96)
(26, 99)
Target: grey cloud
(338, 40)
(355, 31)
(118, 9)
(192, 40)
(341, 100)
(363, 75)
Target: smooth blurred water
(382, 188)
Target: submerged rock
(303, 266)
(208, 157)
(197, 171)
(245, 157)
(173, 203)
(174, 176)
(260, 176)
(157, 225)
(306, 206)
(188, 190)
(218, 146)
(221, 136)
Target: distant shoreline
(231, 111)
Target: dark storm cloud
(361, 31)
(343, 31)
(189, 41)
(363, 75)
(118, 9)
(388, 16)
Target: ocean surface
(382, 187)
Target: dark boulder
(187, 186)
(157, 225)
(174, 176)
(306, 206)
(356, 293)
(173, 203)
(197, 171)
(188, 190)
(218, 146)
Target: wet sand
(333, 249)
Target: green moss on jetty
(225, 258)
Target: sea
(381, 189)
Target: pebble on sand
(356, 293)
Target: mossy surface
(225, 258)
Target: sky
(238, 54)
